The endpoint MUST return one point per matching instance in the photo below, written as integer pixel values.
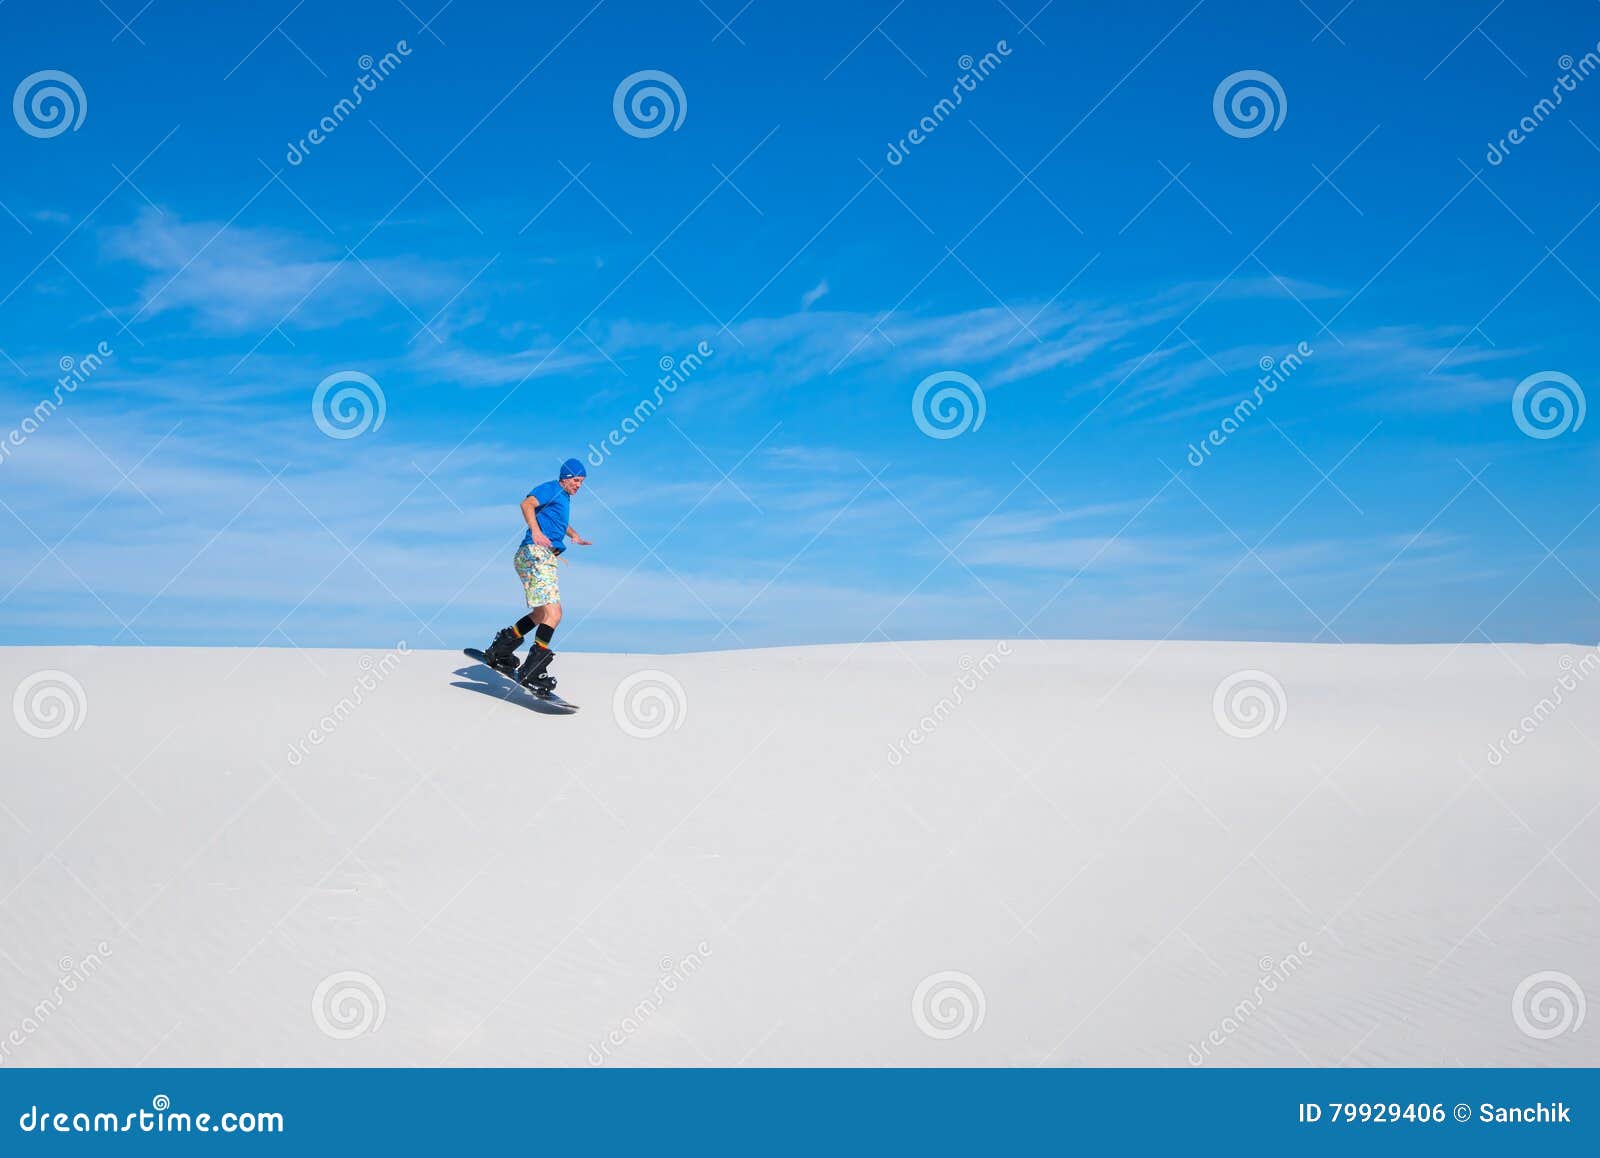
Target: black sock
(523, 626)
(542, 636)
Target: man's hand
(540, 539)
(581, 541)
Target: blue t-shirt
(554, 505)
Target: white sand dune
(1076, 864)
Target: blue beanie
(573, 468)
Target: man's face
(571, 485)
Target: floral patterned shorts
(536, 567)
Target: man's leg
(544, 590)
(502, 653)
(532, 624)
(539, 655)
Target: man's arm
(530, 507)
(577, 538)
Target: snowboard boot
(533, 673)
(502, 653)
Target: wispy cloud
(460, 365)
(235, 278)
(1415, 366)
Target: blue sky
(1080, 236)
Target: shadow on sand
(486, 681)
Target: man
(545, 510)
